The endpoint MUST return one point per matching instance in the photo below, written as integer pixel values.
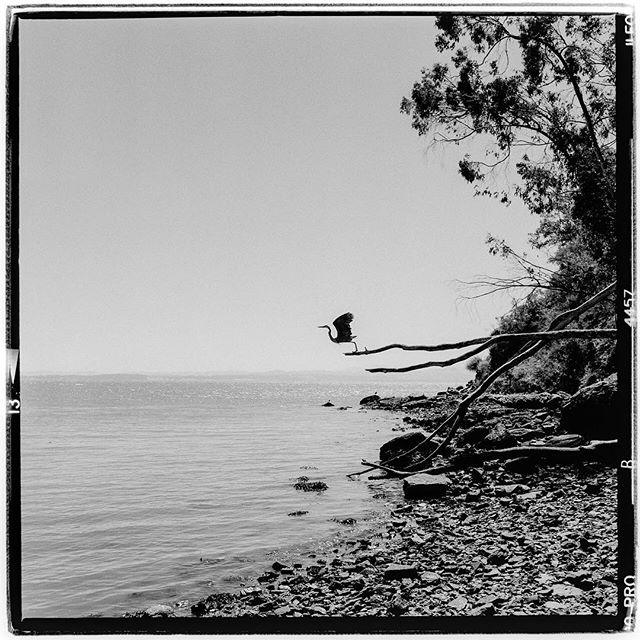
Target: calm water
(128, 483)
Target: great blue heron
(343, 329)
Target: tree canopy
(538, 93)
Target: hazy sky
(198, 194)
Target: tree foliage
(538, 94)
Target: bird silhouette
(343, 329)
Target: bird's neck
(328, 328)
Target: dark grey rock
(524, 435)
(498, 438)
(370, 399)
(328, 404)
(424, 485)
(521, 465)
(497, 557)
(474, 434)
(398, 606)
(400, 571)
(407, 449)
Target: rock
(592, 489)
(521, 465)
(565, 440)
(459, 603)
(370, 399)
(472, 496)
(586, 544)
(477, 475)
(159, 611)
(347, 521)
(522, 434)
(483, 610)
(510, 489)
(281, 611)
(530, 495)
(398, 606)
(278, 566)
(198, 609)
(424, 485)
(565, 591)
(576, 577)
(304, 484)
(297, 513)
(498, 438)
(268, 576)
(497, 557)
(474, 435)
(591, 410)
(399, 452)
(400, 571)
(328, 404)
(429, 577)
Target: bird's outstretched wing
(343, 329)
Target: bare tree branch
(488, 341)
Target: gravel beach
(504, 539)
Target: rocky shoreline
(506, 538)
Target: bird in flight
(343, 329)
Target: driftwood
(598, 449)
(453, 421)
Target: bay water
(139, 490)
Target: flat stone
(459, 603)
(400, 571)
(510, 489)
(565, 591)
(424, 485)
(565, 440)
(483, 610)
(430, 577)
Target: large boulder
(592, 411)
(405, 450)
